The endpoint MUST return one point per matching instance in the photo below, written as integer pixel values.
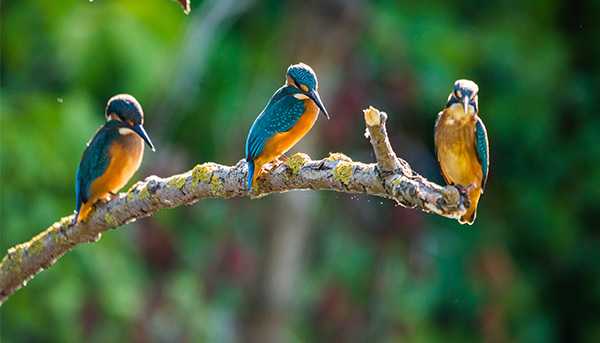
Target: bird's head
(302, 77)
(464, 94)
(124, 108)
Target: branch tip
(372, 116)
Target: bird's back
(279, 115)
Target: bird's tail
(469, 216)
(250, 173)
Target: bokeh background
(308, 266)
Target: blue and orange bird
(112, 156)
(461, 144)
(289, 115)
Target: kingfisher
(288, 116)
(461, 145)
(112, 156)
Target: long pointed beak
(314, 95)
(466, 101)
(139, 129)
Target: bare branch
(390, 178)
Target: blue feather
(483, 148)
(250, 174)
(304, 75)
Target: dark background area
(308, 266)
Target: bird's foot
(464, 192)
(108, 197)
(274, 164)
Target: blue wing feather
(483, 148)
(94, 162)
(280, 115)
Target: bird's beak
(466, 101)
(139, 129)
(314, 95)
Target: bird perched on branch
(461, 145)
(112, 156)
(289, 115)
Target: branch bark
(390, 178)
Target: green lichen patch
(36, 245)
(140, 189)
(338, 156)
(201, 173)
(216, 185)
(131, 191)
(110, 219)
(343, 172)
(130, 196)
(15, 256)
(396, 182)
(143, 194)
(296, 162)
(56, 237)
(177, 181)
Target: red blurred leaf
(186, 6)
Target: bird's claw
(464, 193)
(108, 197)
(274, 164)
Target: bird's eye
(297, 84)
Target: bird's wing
(483, 149)
(94, 162)
(280, 115)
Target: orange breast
(280, 143)
(126, 156)
(455, 144)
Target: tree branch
(185, 4)
(390, 178)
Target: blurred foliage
(526, 271)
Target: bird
(462, 146)
(286, 119)
(112, 156)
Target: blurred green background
(308, 266)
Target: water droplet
(59, 100)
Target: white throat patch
(300, 96)
(125, 131)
